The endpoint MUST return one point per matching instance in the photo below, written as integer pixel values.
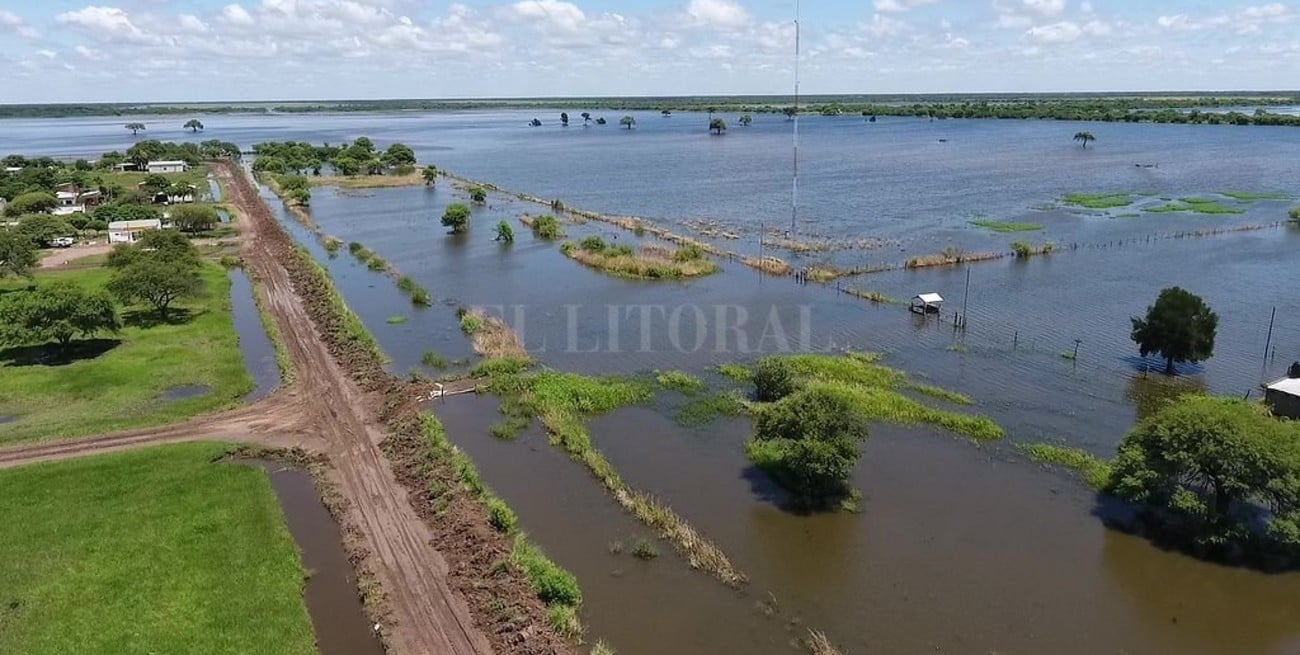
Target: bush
(552, 584)
(194, 218)
(500, 516)
(478, 194)
(456, 217)
(808, 443)
(688, 253)
(34, 202)
(546, 227)
(773, 380)
(1295, 213)
(593, 244)
(505, 233)
(1022, 248)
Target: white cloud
(236, 15)
(13, 22)
(1244, 21)
(1062, 32)
(553, 14)
(1045, 8)
(718, 14)
(899, 6)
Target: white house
(168, 166)
(129, 231)
(68, 203)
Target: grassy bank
(154, 551)
(649, 262)
(367, 181)
(1095, 471)
(123, 385)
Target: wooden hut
(927, 303)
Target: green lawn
(196, 175)
(153, 551)
(123, 387)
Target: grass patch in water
(875, 297)
(1247, 196)
(650, 262)
(396, 320)
(705, 409)
(433, 360)
(154, 550)
(602, 648)
(645, 549)
(1196, 206)
(680, 381)
(737, 372)
(1098, 200)
(1006, 226)
(1095, 470)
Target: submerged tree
(536, 122)
(456, 217)
(746, 120)
(717, 126)
(666, 113)
(564, 118)
(194, 125)
(478, 194)
(586, 117)
(808, 442)
(430, 174)
(505, 233)
(773, 380)
(135, 128)
(1179, 326)
(1084, 138)
(627, 121)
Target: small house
(130, 231)
(68, 203)
(167, 166)
(927, 303)
(1283, 396)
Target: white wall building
(169, 166)
(129, 231)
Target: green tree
(1084, 138)
(194, 218)
(586, 117)
(135, 128)
(58, 312)
(156, 184)
(666, 113)
(125, 212)
(194, 125)
(166, 246)
(32, 202)
(456, 217)
(399, 154)
(505, 233)
(790, 113)
(1179, 326)
(44, 228)
(347, 166)
(564, 118)
(18, 256)
(478, 194)
(430, 174)
(746, 120)
(1295, 214)
(546, 227)
(627, 121)
(773, 380)
(602, 121)
(717, 126)
(1199, 457)
(808, 442)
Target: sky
(212, 50)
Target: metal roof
(929, 298)
(169, 162)
(135, 225)
(1287, 385)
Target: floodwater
(958, 548)
(332, 598)
(254, 344)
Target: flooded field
(958, 548)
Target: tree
(135, 128)
(1180, 326)
(717, 126)
(666, 113)
(564, 118)
(194, 125)
(586, 117)
(345, 165)
(626, 121)
(505, 233)
(1084, 138)
(430, 174)
(773, 380)
(32, 202)
(790, 113)
(125, 212)
(41, 229)
(602, 121)
(456, 217)
(1199, 457)
(746, 120)
(18, 256)
(478, 194)
(1295, 214)
(808, 443)
(536, 122)
(155, 282)
(546, 227)
(156, 184)
(166, 246)
(58, 311)
(399, 154)
(194, 218)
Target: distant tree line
(360, 156)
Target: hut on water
(927, 303)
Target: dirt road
(324, 412)
(61, 256)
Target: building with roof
(1283, 396)
(166, 166)
(129, 231)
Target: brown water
(332, 599)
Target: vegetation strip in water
(1196, 206)
(1006, 226)
(649, 262)
(1098, 200)
(114, 383)
(1247, 196)
(107, 558)
(1095, 470)
(561, 401)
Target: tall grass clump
(704, 409)
(491, 336)
(418, 295)
(433, 360)
(1024, 249)
(649, 263)
(1095, 471)
(1295, 213)
(680, 381)
(737, 372)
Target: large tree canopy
(456, 217)
(1179, 326)
(44, 228)
(808, 442)
(58, 311)
(18, 255)
(32, 202)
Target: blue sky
(142, 50)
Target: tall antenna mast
(794, 197)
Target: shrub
(1022, 248)
(552, 584)
(31, 203)
(688, 253)
(592, 244)
(355, 248)
(505, 233)
(773, 380)
(808, 442)
(196, 218)
(1295, 213)
(500, 516)
(469, 323)
(433, 360)
(546, 227)
(478, 194)
(645, 549)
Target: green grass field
(197, 175)
(123, 387)
(153, 551)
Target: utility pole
(794, 197)
(1263, 370)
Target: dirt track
(324, 412)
